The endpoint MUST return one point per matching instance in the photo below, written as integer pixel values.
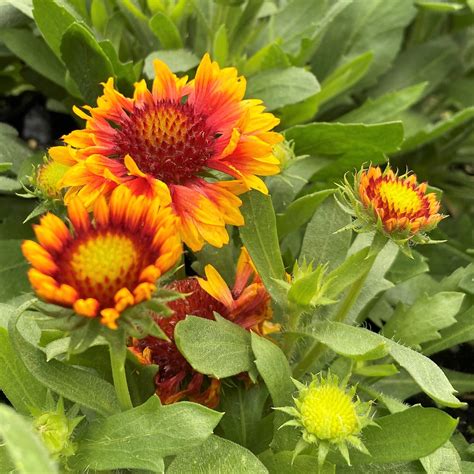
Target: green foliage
(353, 82)
(217, 348)
(140, 438)
(25, 449)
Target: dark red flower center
(167, 140)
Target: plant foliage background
(353, 82)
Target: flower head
(396, 205)
(328, 414)
(101, 267)
(247, 304)
(175, 141)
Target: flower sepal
(309, 286)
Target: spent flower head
(48, 179)
(397, 206)
(329, 414)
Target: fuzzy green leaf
(216, 348)
(53, 19)
(321, 244)
(402, 436)
(217, 455)
(34, 52)
(259, 235)
(86, 61)
(178, 60)
(422, 321)
(280, 87)
(461, 331)
(166, 31)
(141, 437)
(75, 384)
(24, 446)
(300, 211)
(274, 369)
(16, 382)
(387, 107)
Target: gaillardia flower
(328, 414)
(103, 266)
(176, 141)
(247, 304)
(395, 205)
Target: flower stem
(317, 349)
(118, 353)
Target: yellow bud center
(329, 413)
(49, 176)
(400, 197)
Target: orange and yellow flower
(105, 265)
(246, 304)
(175, 142)
(396, 205)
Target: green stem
(118, 353)
(317, 349)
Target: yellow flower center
(49, 176)
(102, 264)
(400, 197)
(329, 413)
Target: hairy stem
(118, 354)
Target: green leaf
(283, 463)
(259, 235)
(280, 87)
(422, 321)
(53, 19)
(273, 366)
(141, 437)
(86, 61)
(461, 331)
(370, 25)
(217, 455)
(403, 436)
(220, 45)
(429, 62)
(344, 77)
(346, 341)
(321, 243)
(73, 383)
(34, 52)
(387, 107)
(300, 211)
(353, 268)
(13, 268)
(24, 446)
(19, 386)
(12, 149)
(424, 371)
(300, 20)
(178, 60)
(216, 348)
(99, 15)
(166, 31)
(270, 56)
(432, 132)
(9, 185)
(337, 138)
(444, 459)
